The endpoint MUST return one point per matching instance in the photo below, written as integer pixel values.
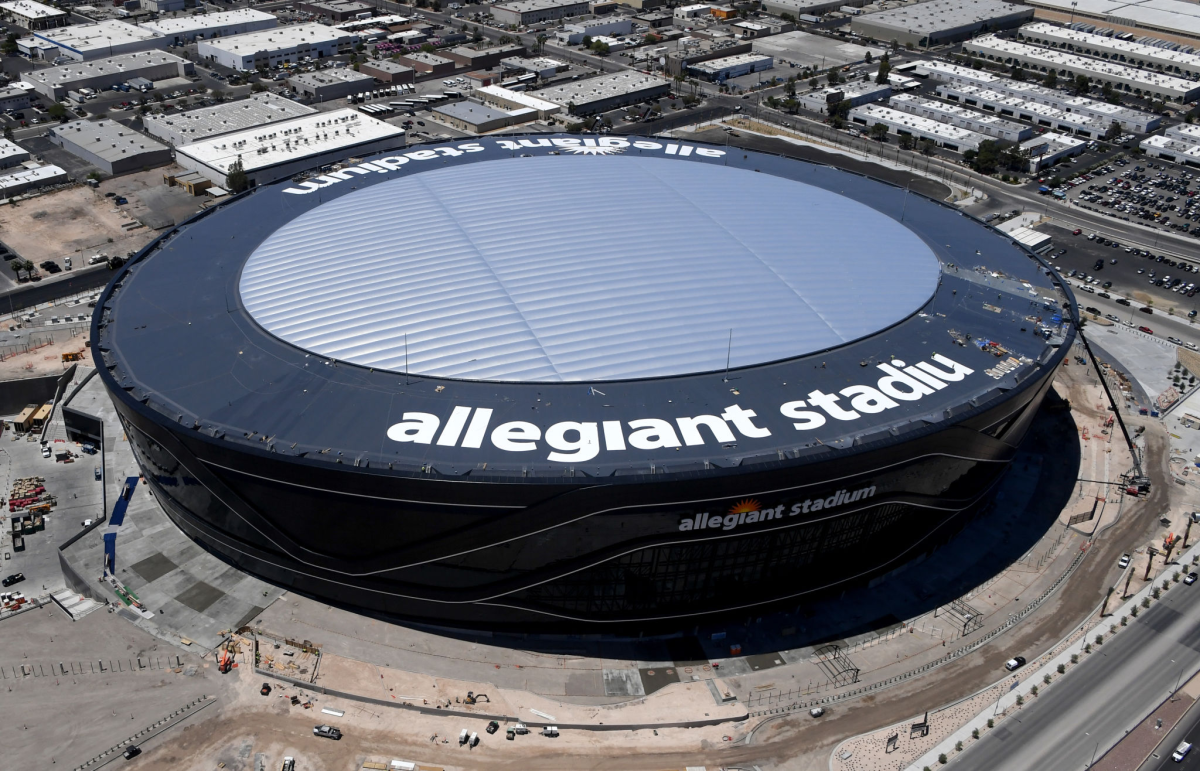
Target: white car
(1181, 752)
(86, 523)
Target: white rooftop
(199, 22)
(1053, 141)
(543, 292)
(69, 73)
(716, 65)
(227, 117)
(26, 176)
(934, 127)
(1164, 15)
(520, 97)
(95, 36)
(331, 75)
(9, 149)
(279, 38)
(1126, 47)
(600, 87)
(956, 110)
(1060, 59)
(32, 10)
(265, 146)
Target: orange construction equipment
(226, 662)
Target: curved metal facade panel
(568, 269)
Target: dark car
(327, 731)
(1122, 301)
(1090, 309)
(132, 751)
(266, 689)
(1146, 309)
(1015, 663)
(493, 727)
(15, 578)
(121, 200)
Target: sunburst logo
(746, 505)
(594, 150)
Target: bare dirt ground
(46, 359)
(76, 221)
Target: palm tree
(541, 41)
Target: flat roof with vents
(224, 118)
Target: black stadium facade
(554, 380)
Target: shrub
(1074, 658)
(958, 746)
(1155, 593)
(974, 733)
(991, 723)
(1099, 639)
(1134, 611)
(1176, 577)
(942, 759)
(1087, 648)
(1062, 668)
(1020, 700)
(1046, 679)
(1124, 620)
(1146, 600)
(1112, 628)
(1033, 691)
(1166, 585)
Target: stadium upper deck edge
(645, 499)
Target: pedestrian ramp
(76, 605)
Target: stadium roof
(462, 288)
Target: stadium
(561, 381)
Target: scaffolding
(968, 618)
(836, 665)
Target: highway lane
(1187, 729)
(1106, 696)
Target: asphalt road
(1188, 730)
(1120, 683)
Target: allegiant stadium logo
(573, 145)
(580, 441)
(750, 512)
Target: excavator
(473, 697)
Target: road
(1085, 714)
(1187, 730)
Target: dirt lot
(76, 222)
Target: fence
(170, 721)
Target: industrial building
(506, 490)
(1119, 76)
(1178, 144)
(575, 32)
(100, 40)
(223, 118)
(388, 71)
(483, 57)
(427, 63)
(14, 98)
(1048, 149)
(720, 70)
(692, 11)
(332, 83)
(339, 10)
(1082, 109)
(606, 92)
(955, 115)
(55, 82)
(162, 6)
(938, 22)
(1084, 122)
(804, 49)
(543, 67)
(187, 29)
(696, 50)
(857, 94)
(33, 15)
(28, 179)
(12, 154)
(1173, 20)
(943, 135)
(505, 99)
(272, 47)
(798, 8)
(279, 150)
(1111, 48)
(476, 118)
(109, 146)
(526, 12)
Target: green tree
(57, 111)
(833, 77)
(258, 88)
(906, 141)
(1018, 72)
(1114, 131)
(18, 266)
(9, 46)
(885, 67)
(868, 58)
(1051, 79)
(586, 42)
(541, 42)
(477, 35)
(600, 48)
(8, 133)
(428, 48)
(813, 82)
(927, 146)
(879, 132)
(235, 180)
(839, 113)
(1082, 85)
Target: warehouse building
(14, 98)
(572, 34)
(1111, 48)
(857, 94)
(1081, 108)
(720, 70)
(1119, 76)
(339, 10)
(696, 50)
(1008, 105)
(12, 154)
(100, 40)
(955, 115)
(427, 63)
(938, 22)
(798, 8)
(1178, 144)
(388, 71)
(949, 137)
(485, 57)
(55, 82)
(187, 29)
(543, 67)
(526, 12)
(272, 47)
(33, 15)
(1048, 149)
(1174, 20)
(280, 150)
(223, 118)
(475, 118)
(606, 92)
(110, 146)
(329, 84)
(504, 99)
(28, 179)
